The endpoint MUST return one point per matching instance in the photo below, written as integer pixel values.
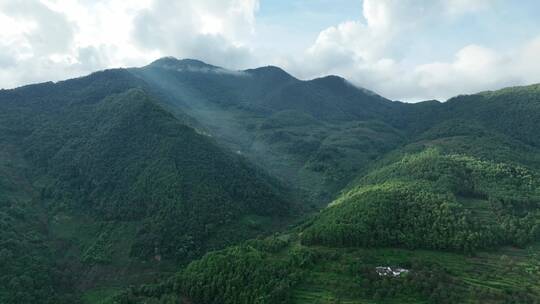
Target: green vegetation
(140, 164)
(27, 270)
(162, 184)
(113, 182)
(278, 271)
(434, 201)
(316, 135)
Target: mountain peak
(270, 71)
(331, 80)
(184, 64)
(340, 84)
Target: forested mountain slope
(435, 201)
(318, 134)
(124, 176)
(478, 220)
(314, 134)
(98, 167)
(459, 178)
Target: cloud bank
(56, 39)
(402, 49)
(376, 52)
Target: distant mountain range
(119, 187)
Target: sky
(407, 50)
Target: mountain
(185, 182)
(452, 228)
(317, 134)
(112, 179)
(434, 201)
(301, 131)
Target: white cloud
(474, 68)
(458, 7)
(385, 49)
(528, 63)
(373, 52)
(216, 30)
(57, 39)
(33, 37)
(45, 40)
(43, 30)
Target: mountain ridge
(180, 172)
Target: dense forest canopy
(183, 182)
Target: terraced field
(482, 276)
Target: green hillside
(434, 201)
(131, 160)
(117, 184)
(466, 231)
(280, 270)
(314, 134)
(184, 182)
